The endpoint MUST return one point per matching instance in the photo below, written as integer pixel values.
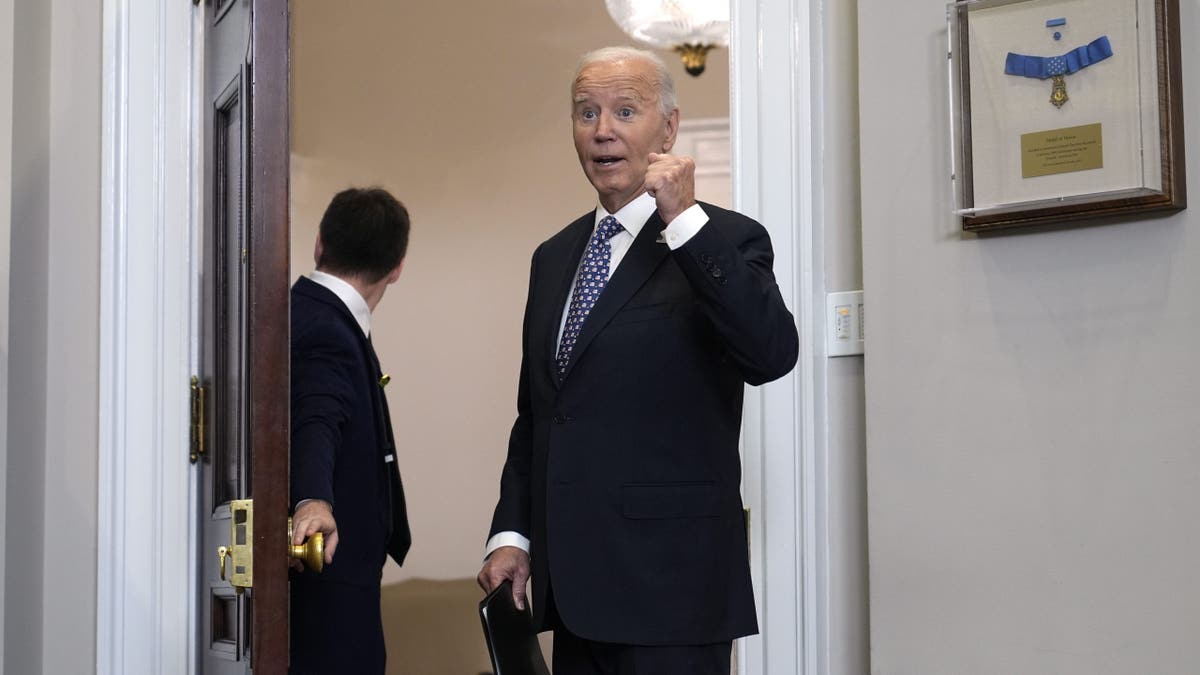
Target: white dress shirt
(349, 297)
(633, 217)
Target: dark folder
(509, 633)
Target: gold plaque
(1044, 153)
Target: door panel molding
(149, 205)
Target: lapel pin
(383, 381)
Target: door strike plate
(241, 543)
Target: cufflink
(383, 381)
(661, 239)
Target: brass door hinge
(197, 446)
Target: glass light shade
(669, 24)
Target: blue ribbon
(1043, 67)
(1050, 23)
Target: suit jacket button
(717, 273)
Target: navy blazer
(341, 434)
(625, 475)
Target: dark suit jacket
(625, 476)
(341, 433)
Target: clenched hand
(671, 181)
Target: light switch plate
(844, 323)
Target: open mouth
(607, 160)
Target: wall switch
(844, 323)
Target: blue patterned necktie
(593, 275)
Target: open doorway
(462, 112)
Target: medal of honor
(1056, 68)
(1058, 91)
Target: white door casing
(149, 205)
(775, 50)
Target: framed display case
(1064, 110)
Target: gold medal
(1058, 91)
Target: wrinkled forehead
(631, 80)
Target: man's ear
(672, 130)
(317, 251)
(395, 273)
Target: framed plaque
(1064, 110)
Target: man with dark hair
(343, 453)
(645, 320)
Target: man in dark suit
(343, 455)
(645, 319)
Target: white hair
(666, 84)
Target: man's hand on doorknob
(315, 515)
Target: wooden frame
(1146, 170)
(267, 182)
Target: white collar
(632, 216)
(349, 297)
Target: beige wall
(462, 111)
(1033, 465)
(50, 495)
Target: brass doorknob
(311, 552)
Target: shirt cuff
(684, 227)
(501, 539)
(302, 502)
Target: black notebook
(509, 633)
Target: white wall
(6, 126)
(1033, 463)
(845, 496)
(29, 278)
(467, 122)
(49, 570)
(73, 336)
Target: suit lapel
(643, 257)
(564, 264)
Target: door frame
(152, 204)
(151, 207)
(776, 155)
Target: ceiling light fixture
(690, 27)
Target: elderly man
(644, 320)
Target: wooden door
(244, 339)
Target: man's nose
(603, 128)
